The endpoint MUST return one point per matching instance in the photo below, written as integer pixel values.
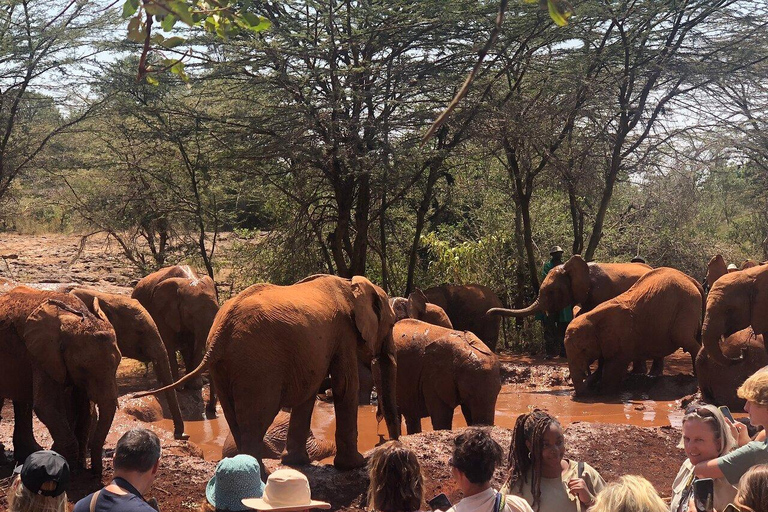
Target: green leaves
(224, 18)
(559, 10)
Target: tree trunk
(421, 215)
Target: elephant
(416, 306)
(717, 384)
(183, 307)
(584, 286)
(137, 338)
(661, 312)
(736, 301)
(274, 440)
(716, 268)
(465, 306)
(271, 346)
(440, 369)
(55, 352)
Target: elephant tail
(191, 375)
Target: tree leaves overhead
(224, 18)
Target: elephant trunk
(712, 331)
(165, 378)
(516, 313)
(388, 391)
(106, 410)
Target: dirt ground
(614, 449)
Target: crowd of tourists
(720, 453)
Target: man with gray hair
(136, 460)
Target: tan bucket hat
(286, 490)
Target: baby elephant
(440, 368)
(660, 313)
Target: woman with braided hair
(541, 474)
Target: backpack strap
(94, 499)
(500, 503)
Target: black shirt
(111, 502)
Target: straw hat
(286, 490)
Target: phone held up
(440, 502)
(704, 494)
(726, 412)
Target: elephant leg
(50, 408)
(345, 387)
(187, 354)
(82, 422)
(169, 339)
(442, 416)
(249, 420)
(210, 408)
(365, 377)
(639, 367)
(298, 433)
(412, 424)
(657, 368)
(613, 373)
(24, 441)
(467, 412)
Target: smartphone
(704, 494)
(440, 502)
(726, 412)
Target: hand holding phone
(440, 502)
(704, 494)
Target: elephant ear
(578, 272)
(42, 337)
(417, 304)
(165, 302)
(367, 309)
(96, 309)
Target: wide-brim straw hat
(286, 490)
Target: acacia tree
(42, 45)
(340, 93)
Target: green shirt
(564, 316)
(738, 462)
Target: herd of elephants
(273, 347)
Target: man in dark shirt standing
(137, 457)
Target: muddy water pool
(514, 399)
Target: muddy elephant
(183, 307)
(584, 286)
(660, 313)
(439, 369)
(716, 268)
(271, 347)
(465, 305)
(53, 348)
(274, 441)
(138, 338)
(736, 301)
(718, 385)
(417, 306)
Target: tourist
(541, 474)
(706, 436)
(751, 453)
(475, 456)
(753, 490)
(235, 478)
(136, 461)
(286, 490)
(40, 484)
(396, 481)
(630, 493)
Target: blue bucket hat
(235, 478)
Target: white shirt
(484, 502)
